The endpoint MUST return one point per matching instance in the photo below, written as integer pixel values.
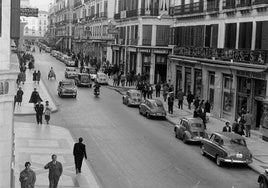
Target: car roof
(67, 81)
(228, 135)
(133, 91)
(82, 73)
(155, 100)
(70, 68)
(192, 120)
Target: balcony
(133, 42)
(229, 4)
(117, 16)
(150, 12)
(89, 18)
(191, 8)
(146, 42)
(212, 5)
(259, 57)
(101, 15)
(132, 13)
(244, 3)
(259, 2)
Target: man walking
(180, 99)
(79, 152)
(248, 122)
(190, 98)
(227, 127)
(27, 176)
(39, 109)
(157, 89)
(170, 102)
(55, 171)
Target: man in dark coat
(39, 109)
(190, 98)
(19, 96)
(227, 127)
(79, 152)
(55, 171)
(157, 89)
(35, 97)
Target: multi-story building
(9, 29)
(220, 55)
(142, 45)
(51, 34)
(91, 20)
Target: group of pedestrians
(36, 76)
(27, 176)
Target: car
(152, 108)
(102, 78)
(59, 56)
(83, 79)
(263, 179)
(47, 49)
(69, 61)
(226, 147)
(70, 72)
(93, 73)
(190, 129)
(132, 97)
(63, 58)
(67, 88)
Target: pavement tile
(256, 145)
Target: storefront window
(227, 82)
(260, 88)
(188, 79)
(146, 64)
(241, 104)
(227, 101)
(211, 78)
(244, 85)
(198, 83)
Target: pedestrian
(19, 96)
(123, 80)
(55, 171)
(196, 102)
(34, 76)
(180, 99)
(79, 152)
(248, 122)
(150, 91)
(145, 89)
(235, 126)
(40, 50)
(227, 127)
(240, 128)
(27, 176)
(157, 89)
(38, 76)
(21, 78)
(190, 98)
(47, 112)
(35, 97)
(39, 109)
(165, 92)
(170, 102)
(207, 107)
(171, 88)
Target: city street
(126, 149)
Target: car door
(216, 144)
(182, 128)
(208, 145)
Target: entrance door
(178, 81)
(259, 113)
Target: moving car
(152, 107)
(102, 78)
(83, 79)
(69, 61)
(70, 72)
(226, 147)
(263, 179)
(132, 97)
(190, 129)
(67, 88)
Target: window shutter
(215, 29)
(264, 39)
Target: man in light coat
(55, 171)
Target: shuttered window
(230, 35)
(245, 35)
(147, 35)
(162, 35)
(211, 36)
(262, 35)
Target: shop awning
(58, 41)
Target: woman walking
(47, 112)
(38, 76)
(19, 96)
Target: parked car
(132, 97)
(63, 58)
(47, 49)
(190, 129)
(226, 147)
(70, 72)
(152, 107)
(102, 78)
(59, 56)
(53, 53)
(83, 79)
(69, 61)
(67, 88)
(263, 179)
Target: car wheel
(218, 161)
(60, 94)
(140, 111)
(148, 115)
(184, 139)
(262, 183)
(202, 150)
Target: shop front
(146, 63)
(161, 58)
(116, 55)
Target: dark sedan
(152, 108)
(226, 147)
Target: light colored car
(69, 61)
(83, 79)
(47, 49)
(152, 108)
(102, 78)
(190, 129)
(63, 58)
(132, 97)
(67, 88)
(70, 72)
(226, 147)
(263, 179)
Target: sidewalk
(36, 144)
(257, 146)
(27, 108)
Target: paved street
(128, 150)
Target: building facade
(8, 75)
(142, 44)
(220, 55)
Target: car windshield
(135, 94)
(156, 104)
(92, 71)
(196, 125)
(70, 69)
(241, 142)
(68, 84)
(84, 78)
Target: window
(245, 35)
(211, 35)
(211, 78)
(147, 35)
(230, 35)
(227, 82)
(262, 35)
(162, 35)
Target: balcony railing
(244, 3)
(237, 55)
(213, 5)
(257, 2)
(146, 42)
(117, 16)
(132, 13)
(229, 4)
(150, 12)
(191, 8)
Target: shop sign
(29, 12)
(160, 51)
(145, 50)
(246, 56)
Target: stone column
(139, 62)
(152, 68)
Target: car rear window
(156, 104)
(241, 142)
(197, 125)
(135, 94)
(67, 83)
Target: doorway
(259, 113)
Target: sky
(40, 4)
